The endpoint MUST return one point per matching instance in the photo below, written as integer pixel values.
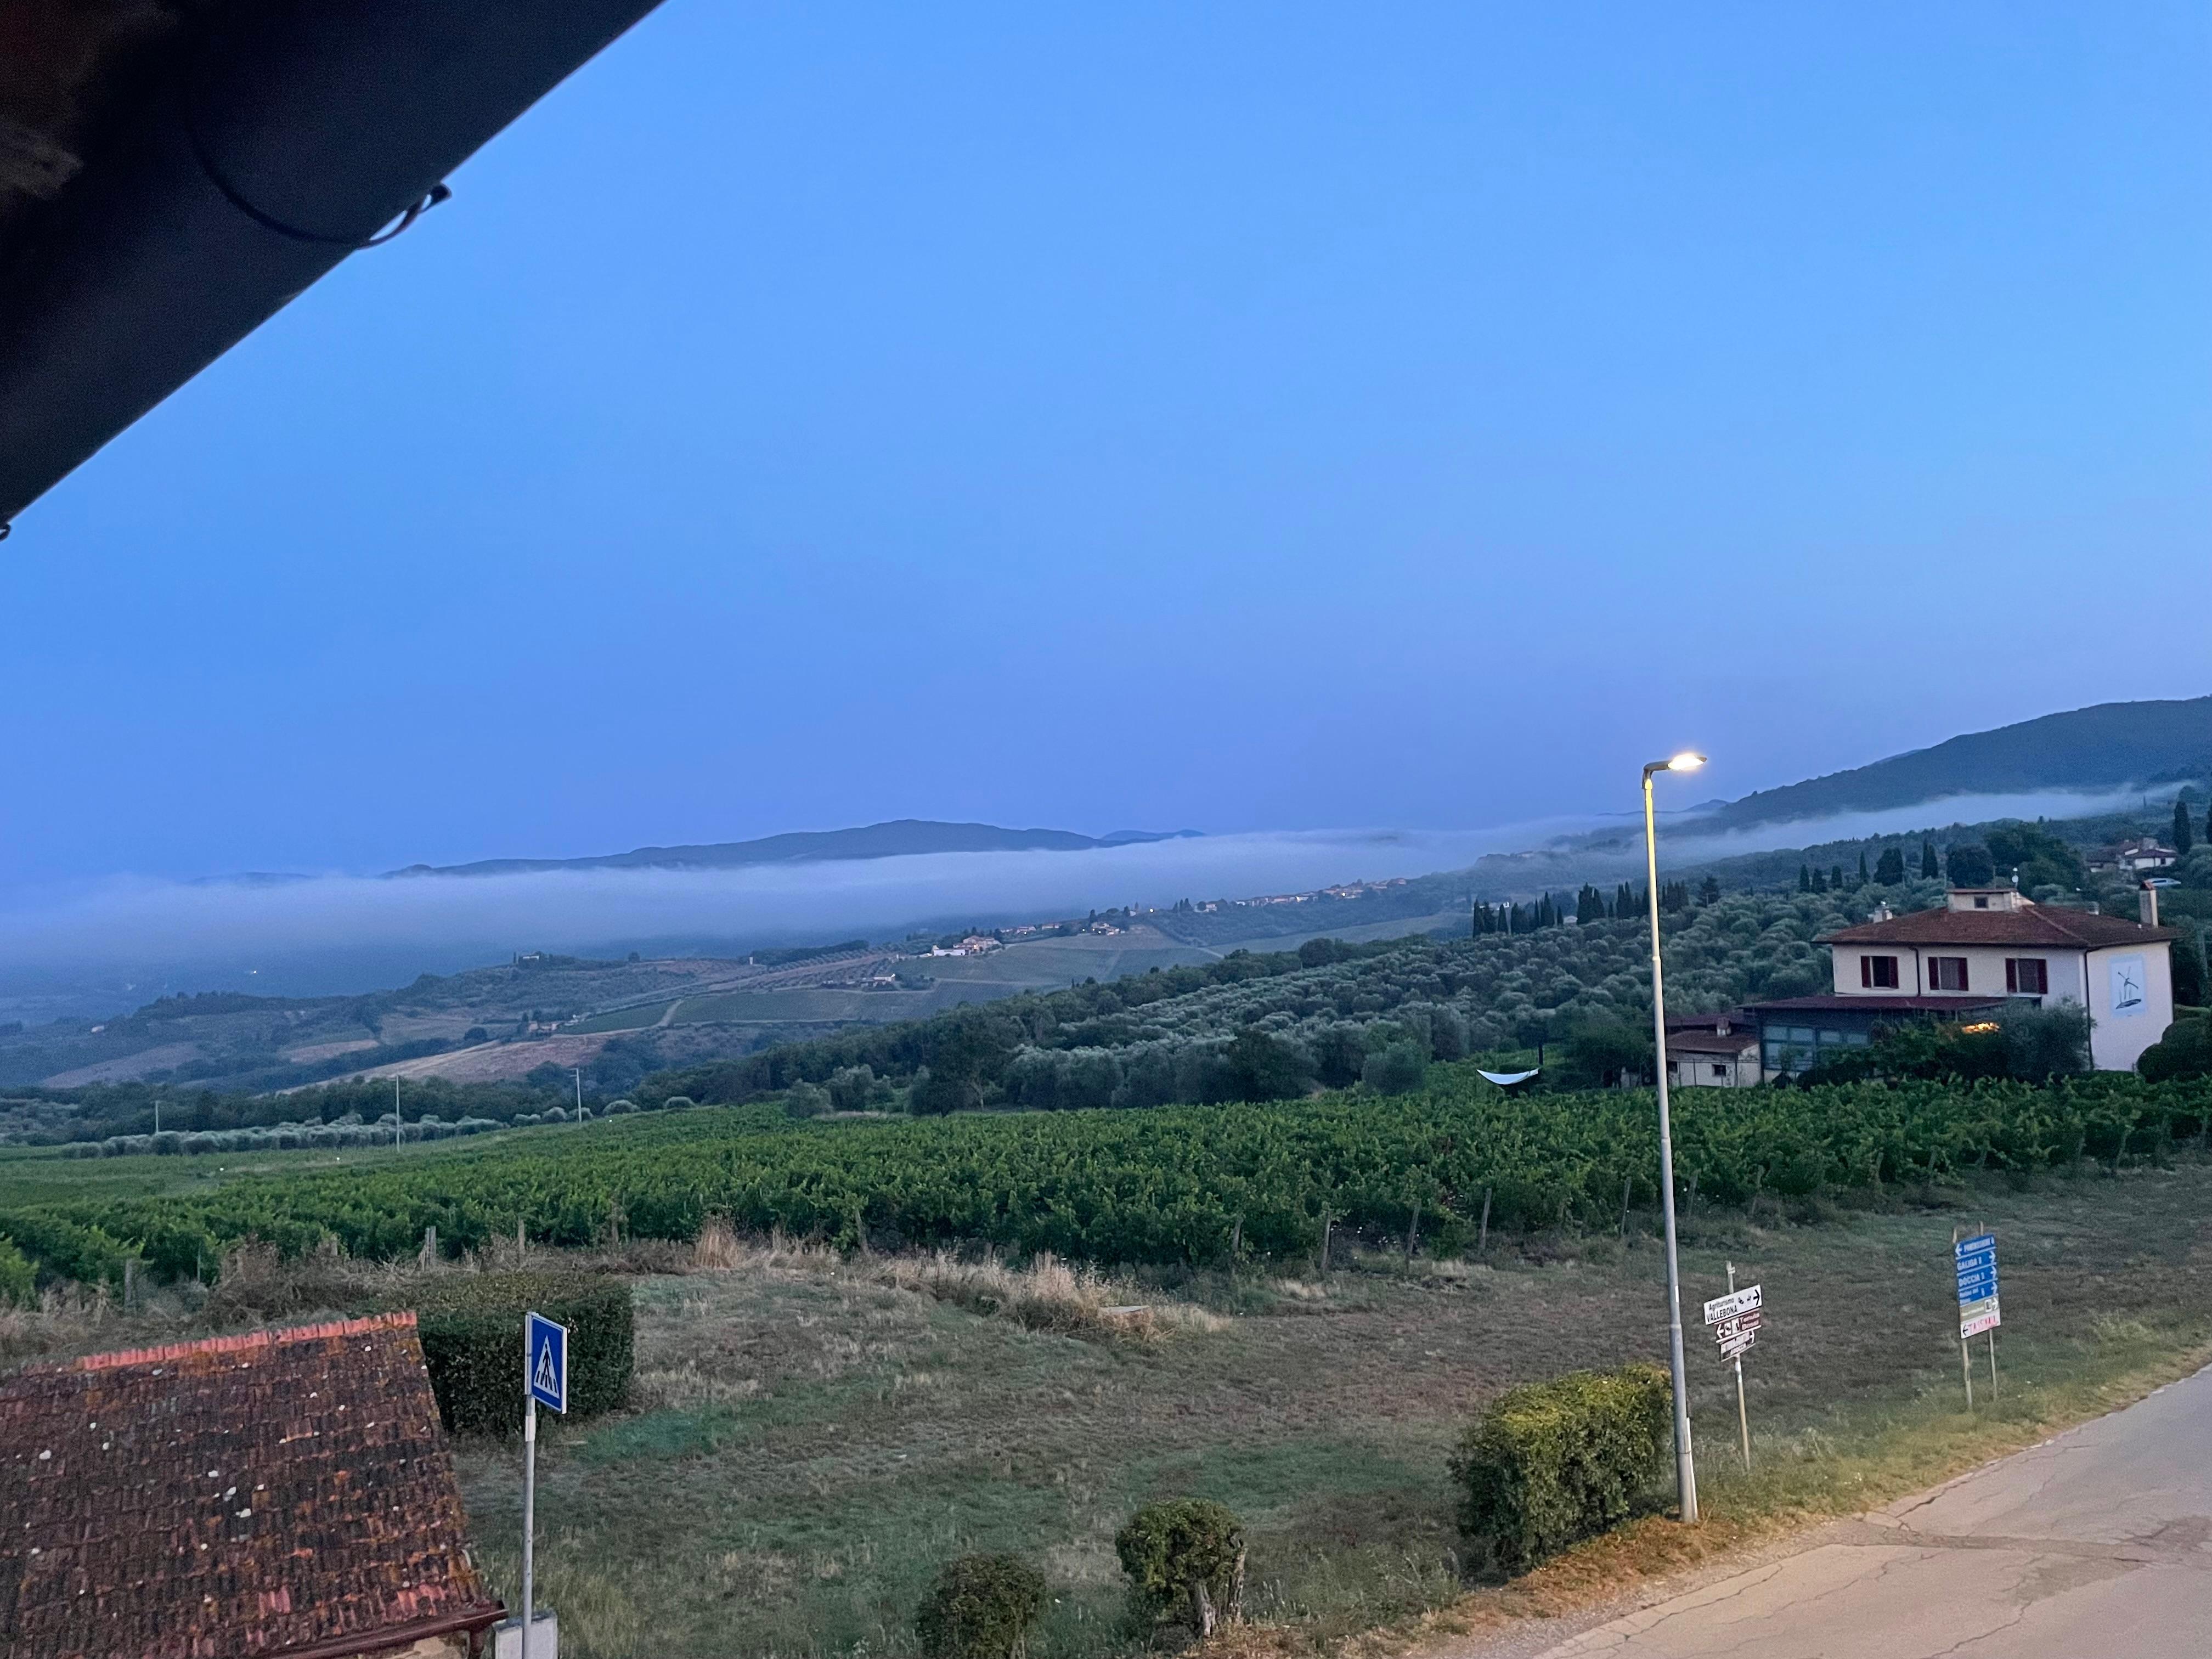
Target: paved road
(2097, 1545)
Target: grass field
(808, 1443)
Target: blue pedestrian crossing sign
(545, 1361)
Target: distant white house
(974, 944)
(1984, 950)
(1713, 1051)
(2134, 856)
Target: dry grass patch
(1047, 1295)
(70, 1319)
(721, 1248)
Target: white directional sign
(1737, 1334)
(1746, 1300)
(1735, 1319)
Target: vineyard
(1205, 1186)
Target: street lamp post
(1686, 1472)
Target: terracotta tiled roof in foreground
(280, 1492)
(2034, 925)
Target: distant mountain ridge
(2109, 746)
(899, 838)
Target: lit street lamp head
(1688, 761)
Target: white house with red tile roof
(1713, 1051)
(1995, 947)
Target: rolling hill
(2094, 750)
(898, 838)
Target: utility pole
(579, 1071)
(1685, 1469)
(395, 1114)
(529, 1515)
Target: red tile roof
(264, 1494)
(2040, 924)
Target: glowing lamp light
(1688, 761)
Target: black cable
(430, 198)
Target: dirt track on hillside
(490, 1062)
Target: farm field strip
(1190, 1185)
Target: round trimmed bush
(981, 1607)
(1187, 1554)
(2184, 1050)
(1552, 1463)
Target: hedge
(1553, 1462)
(470, 1326)
(981, 1607)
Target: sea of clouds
(114, 942)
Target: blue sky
(1232, 418)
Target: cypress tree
(1819, 883)
(1862, 867)
(1804, 879)
(1929, 868)
(2182, 841)
(1836, 877)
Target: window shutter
(2012, 973)
(1866, 971)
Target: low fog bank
(337, 934)
(116, 944)
(1928, 817)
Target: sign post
(1737, 1319)
(545, 1379)
(1975, 1261)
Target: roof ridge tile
(238, 1342)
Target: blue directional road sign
(545, 1361)
(1978, 1266)
(1977, 1261)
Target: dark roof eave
(480, 1617)
(1841, 1003)
(310, 128)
